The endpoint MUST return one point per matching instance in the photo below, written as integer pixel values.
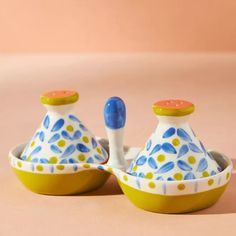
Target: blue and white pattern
(174, 153)
(62, 140)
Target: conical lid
(62, 137)
(173, 152)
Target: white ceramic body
(63, 138)
(173, 152)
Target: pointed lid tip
(59, 97)
(173, 107)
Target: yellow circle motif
(135, 168)
(19, 164)
(28, 158)
(151, 185)
(149, 175)
(205, 174)
(81, 157)
(210, 181)
(98, 150)
(109, 169)
(178, 176)
(191, 159)
(175, 142)
(228, 175)
(32, 144)
(39, 168)
(61, 143)
(52, 160)
(161, 158)
(60, 167)
(181, 187)
(70, 128)
(86, 165)
(85, 139)
(125, 177)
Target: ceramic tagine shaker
(62, 138)
(173, 152)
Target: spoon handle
(115, 116)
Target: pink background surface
(117, 26)
(140, 79)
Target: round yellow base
(62, 184)
(172, 204)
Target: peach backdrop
(117, 26)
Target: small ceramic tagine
(173, 152)
(62, 138)
(63, 155)
(173, 173)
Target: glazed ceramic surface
(173, 152)
(62, 138)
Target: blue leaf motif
(166, 167)
(41, 136)
(155, 149)
(170, 132)
(202, 165)
(63, 161)
(55, 149)
(193, 147)
(183, 165)
(94, 143)
(141, 174)
(74, 118)
(69, 150)
(54, 138)
(36, 150)
(183, 150)
(76, 135)
(190, 175)
(213, 172)
(141, 161)
(98, 157)
(90, 160)
(57, 125)
(149, 144)
(184, 135)
(46, 122)
(167, 147)
(170, 179)
(43, 161)
(72, 160)
(82, 148)
(65, 135)
(159, 178)
(35, 160)
(152, 163)
(83, 127)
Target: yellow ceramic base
(62, 184)
(172, 204)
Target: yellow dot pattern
(81, 157)
(32, 144)
(39, 168)
(191, 160)
(181, 187)
(151, 185)
(149, 175)
(210, 182)
(161, 157)
(125, 177)
(227, 175)
(109, 169)
(70, 128)
(28, 158)
(52, 160)
(85, 139)
(60, 167)
(19, 164)
(178, 176)
(205, 174)
(99, 150)
(134, 169)
(61, 143)
(86, 165)
(176, 142)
